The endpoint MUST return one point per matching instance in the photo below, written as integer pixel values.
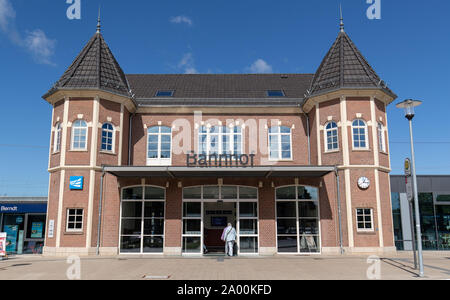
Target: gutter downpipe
(100, 211)
(309, 138)
(339, 210)
(130, 136)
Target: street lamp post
(408, 106)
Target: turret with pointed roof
(95, 68)
(344, 67)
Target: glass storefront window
(153, 244)
(152, 193)
(248, 193)
(154, 209)
(132, 209)
(287, 244)
(192, 193)
(308, 209)
(427, 221)
(248, 245)
(192, 209)
(25, 232)
(131, 226)
(13, 226)
(287, 226)
(229, 192)
(142, 224)
(397, 219)
(286, 193)
(307, 193)
(443, 226)
(443, 198)
(298, 220)
(211, 192)
(130, 244)
(248, 209)
(286, 209)
(191, 244)
(134, 193)
(192, 227)
(248, 226)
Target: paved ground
(437, 266)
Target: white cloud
(181, 19)
(35, 41)
(40, 46)
(260, 66)
(187, 64)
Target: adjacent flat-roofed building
(159, 164)
(434, 204)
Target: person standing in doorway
(229, 237)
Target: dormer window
(275, 93)
(165, 93)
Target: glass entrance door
(208, 209)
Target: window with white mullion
(159, 144)
(381, 138)
(107, 137)
(57, 139)
(79, 135)
(280, 143)
(220, 140)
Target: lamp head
(409, 105)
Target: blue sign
(9, 208)
(76, 182)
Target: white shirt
(230, 234)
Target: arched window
(220, 140)
(360, 139)
(280, 143)
(331, 136)
(108, 137)
(57, 138)
(159, 145)
(381, 138)
(79, 135)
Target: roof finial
(342, 19)
(99, 26)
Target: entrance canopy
(183, 172)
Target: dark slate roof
(345, 67)
(94, 68)
(218, 88)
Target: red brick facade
(330, 99)
(79, 163)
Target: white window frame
(159, 161)
(57, 138)
(113, 139)
(280, 152)
(327, 149)
(86, 133)
(381, 137)
(298, 218)
(231, 136)
(364, 216)
(366, 135)
(143, 201)
(75, 222)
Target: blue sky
(408, 47)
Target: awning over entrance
(183, 172)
